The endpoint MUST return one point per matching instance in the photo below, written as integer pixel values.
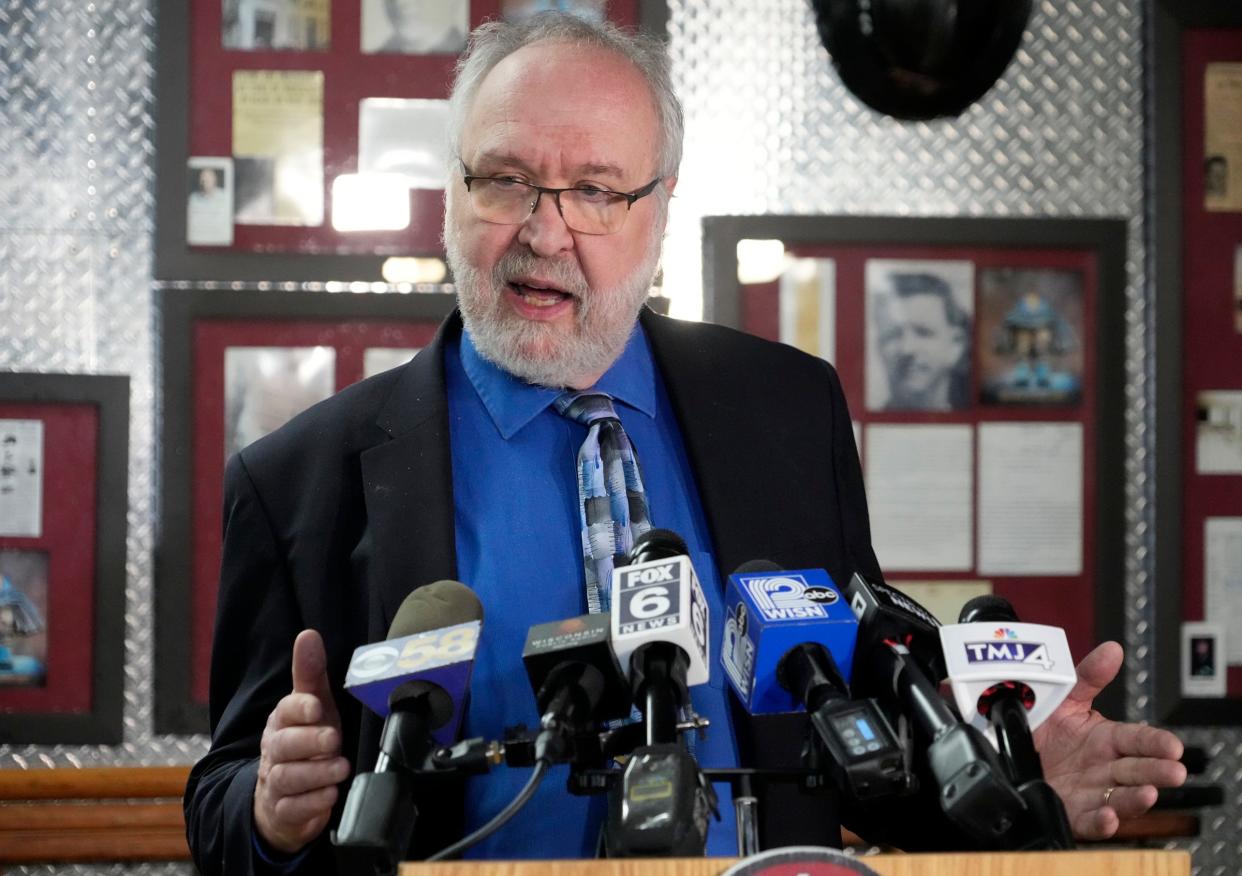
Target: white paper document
(21, 478)
(1222, 578)
(1030, 499)
(944, 599)
(919, 488)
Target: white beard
(538, 352)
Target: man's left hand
(1104, 770)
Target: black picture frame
(174, 259)
(179, 310)
(102, 723)
(1166, 21)
(1106, 238)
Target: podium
(1098, 862)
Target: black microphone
(789, 641)
(659, 629)
(1005, 704)
(987, 609)
(897, 643)
(661, 805)
(418, 680)
(576, 679)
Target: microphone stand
(379, 815)
(1048, 824)
(661, 805)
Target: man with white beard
(566, 141)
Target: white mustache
(564, 273)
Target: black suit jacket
(332, 520)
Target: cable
(523, 797)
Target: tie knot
(586, 408)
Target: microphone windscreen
(434, 606)
(657, 544)
(982, 609)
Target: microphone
(902, 668)
(659, 633)
(990, 654)
(1007, 678)
(576, 679)
(659, 629)
(418, 681)
(769, 611)
(789, 643)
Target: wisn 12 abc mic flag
(767, 613)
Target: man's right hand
(300, 762)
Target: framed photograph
(276, 194)
(1196, 220)
(267, 25)
(64, 461)
(1203, 660)
(237, 365)
(983, 363)
(591, 10)
(415, 27)
(209, 202)
(920, 327)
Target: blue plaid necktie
(613, 505)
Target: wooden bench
(68, 815)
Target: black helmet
(920, 59)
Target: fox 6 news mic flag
(442, 656)
(982, 655)
(660, 601)
(767, 614)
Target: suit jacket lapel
(716, 428)
(408, 483)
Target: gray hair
(493, 41)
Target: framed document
(235, 366)
(64, 461)
(312, 131)
(1196, 220)
(983, 364)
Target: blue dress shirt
(518, 540)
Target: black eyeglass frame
(540, 191)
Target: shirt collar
(512, 402)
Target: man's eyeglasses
(590, 210)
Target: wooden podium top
(1099, 862)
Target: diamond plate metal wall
(76, 207)
(770, 129)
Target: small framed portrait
(266, 25)
(1030, 336)
(517, 10)
(920, 318)
(209, 202)
(1203, 660)
(415, 27)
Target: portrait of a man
(919, 317)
